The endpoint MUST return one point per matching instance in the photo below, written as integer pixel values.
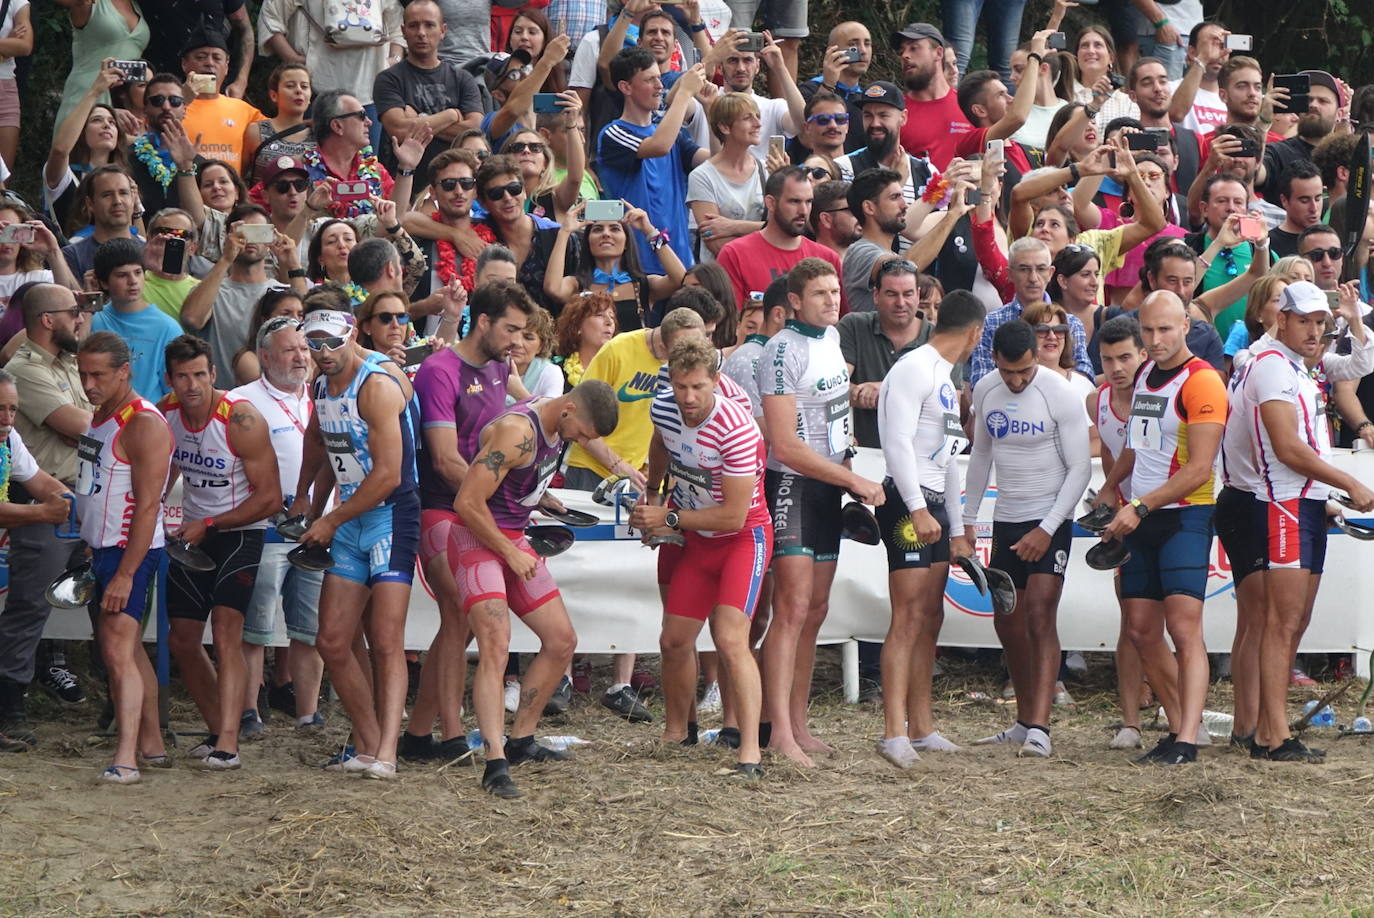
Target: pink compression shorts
(434, 526)
(482, 575)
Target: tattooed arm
(506, 444)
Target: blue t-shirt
(498, 142)
(1238, 340)
(657, 184)
(148, 333)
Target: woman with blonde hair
(536, 375)
(548, 196)
(725, 193)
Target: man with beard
(832, 222)
(453, 189)
(784, 114)
(841, 76)
(220, 306)
(164, 159)
(1148, 84)
(753, 261)
(1241, 88)
(53, 413)
(934, 120)
(1324, 102)
(109, 194)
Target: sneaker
(313, 722)
(498, 783)
(641, 680)
(1075, 663)
(561, 698)
(1062, 698)
(727, 737)
(415, 748)
(1160, 750)
(520, 753)
(710, 700)
(625, 703)
(1013, 735)
(204, 747)
(1037, 743)
(1241, 742)
(1297, 677)
(282, 698)
(582, 676)
(358, 764)
(1293, 750)
(1179, 754)
(58, 682)
(338, 760)
(163, 760)
(899, 751)
(251, 726)
(748, 771)
(512, 696)
(454, 750)
(1126, 738)
(219, 760)
(380, 771)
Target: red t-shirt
(975, 141)
(753, 262)
(932, 129)
(1204, 144)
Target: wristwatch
(671, 519)
(1141, 511)
(209, 522)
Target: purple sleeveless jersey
(521, 489)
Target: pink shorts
(724, 571)
(9, 103)
(434, 527)
(482, 575)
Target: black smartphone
(416, 354)
(1057, 42)
(174, 256)
(1248, 147)
(753, 41)
(1141, 140)
(1298, 86)
(973, 197)
(1111, 159)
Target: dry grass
(635, 829)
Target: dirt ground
(634, 829)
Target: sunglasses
(159, 100)
(826, 119)
(170, 231)
(390, 318)
(818, 173)
(448, 184)
(282, 186)
(522, 146)
(497, 192)
(1332, 253)
(329, 343)
(1051, 329)
(73, 311)
(360, 115)
(482, 156)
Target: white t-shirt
(1208, 112)
(22, 464)
(1037, 126)
(7, 64)
(772, 113)
(918, 423)
(12, 282)
(736, 202)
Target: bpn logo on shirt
(999, 425)
(947, 397)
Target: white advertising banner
(609, 583)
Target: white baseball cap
(329, 321)
(1304, 298)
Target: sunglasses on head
(1332, 253)
(327, 343)
(1051, 329)
(466, 183)
(497, 192)
(390, 318)
(159, 100)
(521, 146)
(282, 186)
(825, 119)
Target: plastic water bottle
(708, 737)
(475, 740)
(1362, 725)
(561, 743)
(1218, 723)
(1323, 718)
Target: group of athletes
(748, 471)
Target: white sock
(898, 750)
(1015, 734)
(933, 742)
(1037, 743)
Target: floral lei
(573, 369)
(157, 161)
(355, 293)
(446, 257)
(368, 170)
(5, 471)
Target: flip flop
(550, 541)
(1343, 499)
(1354, 530)
(1003, 591)
(1090, 498)
(975, 572)
(293, 527)
(1097, 519)
(572, 517)
(858, 524)
(604, 493)
(189, 556)
(1107, 556)
(672, 538)
(75, 588)
(310, 557)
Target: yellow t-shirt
(216, 127)
(1107, 244)
(627, 365)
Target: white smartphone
(1240, 42)
(17, 234)
(996, 150)
(258, 233)
(604, 211)
(203, 83)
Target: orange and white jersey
(213, 478)
(1278, 374)
(1163, 404)
(104, 482)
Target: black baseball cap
(913, 31)
(881, 93)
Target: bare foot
(811, 744)
(793, 752)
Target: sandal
(359, 763)
(382, 771)
(163, 760)
(748, 771)
(121, 774)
